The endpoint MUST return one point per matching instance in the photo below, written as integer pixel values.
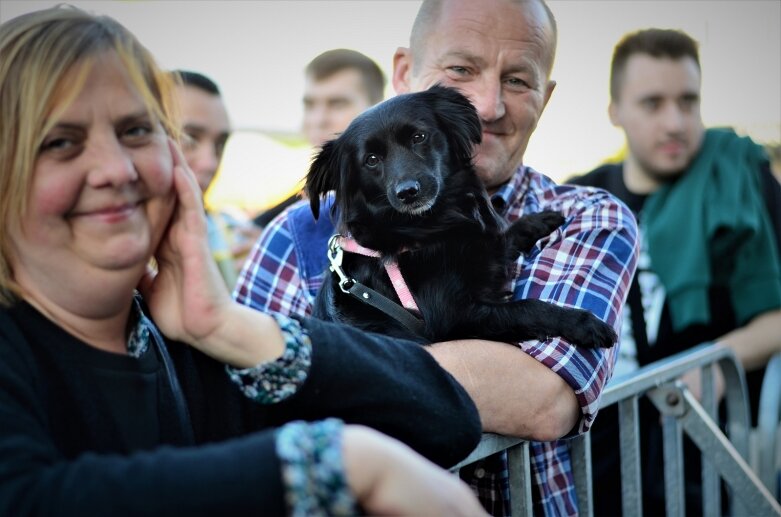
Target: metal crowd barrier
(722, 458)
(768, 427)
(518, 464)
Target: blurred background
(256, 51)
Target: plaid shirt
(587, 263)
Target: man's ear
(549, 87)
(402, 67)
(612, 111)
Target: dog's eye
(418, 138)
(372, 160)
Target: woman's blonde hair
(44, 60)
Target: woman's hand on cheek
(187, 296)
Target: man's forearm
(515, 394)
(756, 342)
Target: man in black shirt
(710, 212)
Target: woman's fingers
(188, 192)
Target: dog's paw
(588, 331)
(527, 230)
(545, 222)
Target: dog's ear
(323, 175)
(455, 113)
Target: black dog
(405, 187)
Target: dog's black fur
(405, 186)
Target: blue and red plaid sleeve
(587, 263)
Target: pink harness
(392, 268)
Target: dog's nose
(407, 191)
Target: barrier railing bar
(738, 417)
(711, 488)
(629, 435)
(580, 455)
(518, 463)
(662, 371)
(736, 398)
(672, 432)
(520, 479)
(490, 444)
(768, 426)
(756, 498)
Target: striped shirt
(587, 263)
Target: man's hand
(693, 380)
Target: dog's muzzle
(410, 197)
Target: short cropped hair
(197, 80)
(45, 57)
(332, 61)
(658, 43)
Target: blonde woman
(100, 414)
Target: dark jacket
(64, 452)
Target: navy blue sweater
(65, 448)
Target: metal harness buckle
(335, 255)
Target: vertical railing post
(629, 435)
(711, 488)
(738, 416)
(768, 422)
(519, 466)
(580, 454)
(669, 402)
